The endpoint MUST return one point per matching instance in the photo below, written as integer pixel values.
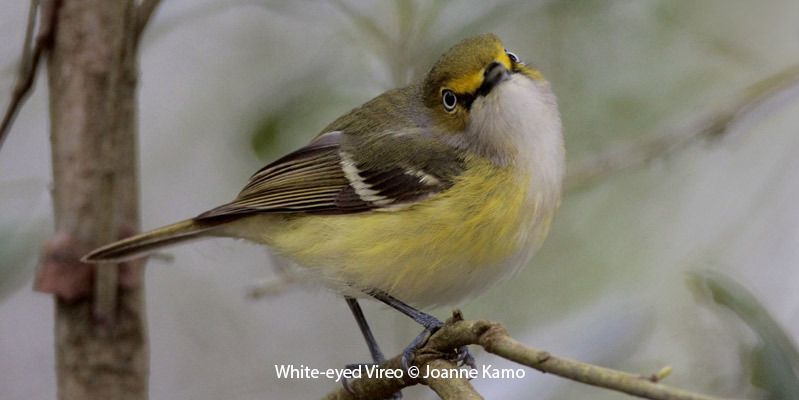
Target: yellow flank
(452, 244)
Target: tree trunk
(100, 332)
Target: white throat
(518, 124)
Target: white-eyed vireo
(424, 194)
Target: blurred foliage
(290, 119)
(606, 287)
(406, 47)
(20, 236)
(13, 269)
(774, 361)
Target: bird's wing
(340, 174)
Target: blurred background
(688, 258)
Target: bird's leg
(357, 312)
(430, 323)
(371, 342)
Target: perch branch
(450, 388)
(29, 61)
(494, 339)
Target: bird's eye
(449, 100)
(513, 57)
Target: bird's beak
(493, 75)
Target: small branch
(712, 126)
(494, 339)
(374, 388)
(25, 59)
(144, 13)
(450, 388)
(287, 277)
(29, 62)
(274, 287)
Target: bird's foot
(461, 356)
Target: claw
(462, 355)
(346, 384)
(418, 342)
(465, 357)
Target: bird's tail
(143, 243)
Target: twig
(287, 277)
(712, 126)
(25, 59)
(144, 13)
(274, 287)
(29, 61)
(494, 339)
(450, 388)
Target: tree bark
(100, 332)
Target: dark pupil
(449, 99)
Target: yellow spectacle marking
(468, 83)
(471, 82)
(504, 59)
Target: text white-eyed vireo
(424, 194)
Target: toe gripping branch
(430, 323)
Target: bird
(425, 195)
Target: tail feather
(141, 244)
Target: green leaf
(295, 120)
(775, 359)
(264, 136)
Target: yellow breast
(434, 252)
